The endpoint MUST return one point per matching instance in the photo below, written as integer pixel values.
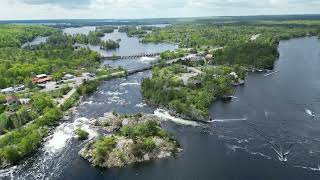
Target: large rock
(126, 150)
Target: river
(128, 46)
(263, 134)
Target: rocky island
(133, 139)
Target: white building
(41, 76)
(68, 76)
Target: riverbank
(228, 144)
(36, 131)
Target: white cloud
(57, 9)
(279, 2)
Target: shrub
(69, 103)
(88, 87)
(102, 148)
(148, 144)
(82, 135)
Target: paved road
(193, 73)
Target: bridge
(131, 56)
(149, 66)
(140, 69)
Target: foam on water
(164, 115)
(309, 168)
(114, 93)
(86, 103)
(130, 83)
(234, 139)
(234, 147)
(8, 172)
(227, 120)
(260, 154)
(53, 157)
(141, 105)
(147, 59)
(64, 133)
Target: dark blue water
(274, 107)
(266, 120)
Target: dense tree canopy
(16, 35)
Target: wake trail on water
(165, 115)
(282, 154)
(227, 120)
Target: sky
(132, 9)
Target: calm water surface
(263, 134)
(36, 41)
(128, 46)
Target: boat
(310, 113)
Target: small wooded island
(189, 91)
(136, 138)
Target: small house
(41, 78)
(68, 76)
(25, 101)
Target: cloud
(279, 2)
(108, 9)
(62, 3)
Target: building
(25, 101)
(209, 57)
(8, 90)
(41, 78)
(19, 88)
(68, 76)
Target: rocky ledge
(135, 139)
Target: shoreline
(106, 78)
(65, 113)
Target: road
(193, 72)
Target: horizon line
(155, 18)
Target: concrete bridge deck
(131, 56)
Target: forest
(253, 45)
(234, 46)
(23, 126)
(18, 65)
